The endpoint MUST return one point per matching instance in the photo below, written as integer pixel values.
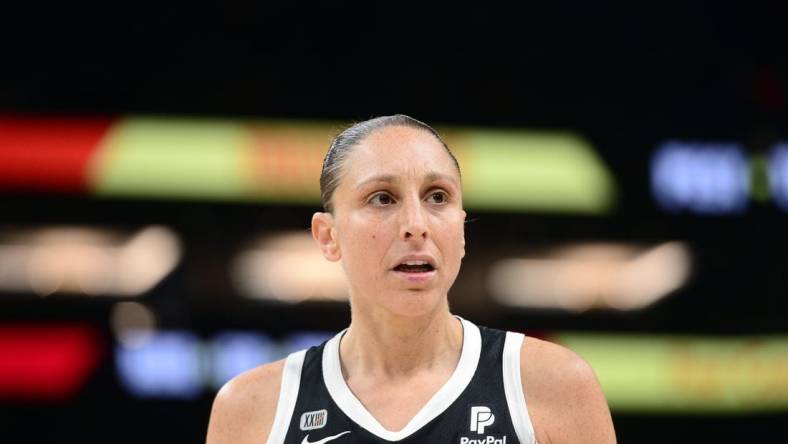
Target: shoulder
(564, 399)
(552, 368)
(244, 409)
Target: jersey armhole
(288, 394)
(513, 388)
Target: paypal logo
(481, 417)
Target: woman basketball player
(406, 370)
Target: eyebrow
(390, 178)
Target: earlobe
(324, 234)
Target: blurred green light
(759, 186)
(550, 172)
(171, 158)
(678, 374)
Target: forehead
(399, 150)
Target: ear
(324, 234)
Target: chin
(415, 303)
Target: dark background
(626, 76)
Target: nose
(414, 223)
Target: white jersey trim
(288, 395)
(451, 390)
(513, 388)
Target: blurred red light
(48, 154)
(46, 362)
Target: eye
(381, 200)
(439, 197)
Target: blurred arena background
(625, 171)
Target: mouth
(414, 267)
(415, 271)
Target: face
(398, 222)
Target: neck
(390, 345)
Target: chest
(394, 403)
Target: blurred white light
(288, 267)
(596, 275)
(133, 323)
(149, 256)
(778, 175)
(236, 352)
(702, 178)
(166, 366)
(44, 276)
(89, 261)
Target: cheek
(367, 225)
(452, 237)
(364, 238)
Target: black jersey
(481, 403)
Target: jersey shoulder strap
(288, 394)
(513, 388)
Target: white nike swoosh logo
(324, 440)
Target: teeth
(415, 263)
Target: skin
(400, 194)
